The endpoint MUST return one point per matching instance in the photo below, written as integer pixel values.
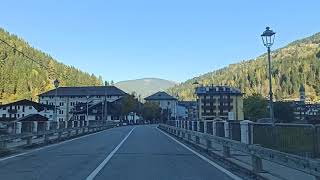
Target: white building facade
(66, 98)
(165, 101)
(22, 108)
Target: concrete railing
(257, 153)
(12, 141)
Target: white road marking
(107, 159)
(45, 147)
(230, 174)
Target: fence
(309, 166)
(27, 137)
(291, 138)
(299, 139)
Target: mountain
(145, 86)
(20, 77)
(294, 65)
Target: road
(132, 152)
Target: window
(30, 107)
(22, 115)
(4, 115)
(60, 111)
(18, 107)
(4, 108)
(61, 103)
(18, 115)
(168, 103)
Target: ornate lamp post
(268, 39)
(56, 85)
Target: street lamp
(56, 85)
(268, 39)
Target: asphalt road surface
(124, 153)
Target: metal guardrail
(306, 165)
(59, 134)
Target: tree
(151, 112)
(283, 112)
(112, 83)
(255, 107)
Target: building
(23, 108)
(66, 98)
(190, 107)
(219, 102)
(166, 103)
(94, 111)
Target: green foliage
(129, 104)
(21, 78)
(293, 65)
(255, 107)
(283, 111)
(151, 112)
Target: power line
(28, 57)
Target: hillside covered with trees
(21, 78)
(295, 64)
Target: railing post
(29, 140)
(3, 144)
(209, 144)
(197, 139)
(46, 138)
(246, 134)
(34, 127)
(256, 164)
(72, 124)
(226, 129)
(47, 123)
(66, 124)
(214, 129)
(226, 151)
(198, 126)
(18, 126)
(205, 127)
(58, 124)
(59, 135)
(188, 125)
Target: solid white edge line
(107, 159)
(52, 145)
(230, 174)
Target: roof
(25, 102)
(33, 117)
(187, 104)
(218, 90)
(85, 91)
(160, 96)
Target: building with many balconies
(219, 102)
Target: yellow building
(219, 102)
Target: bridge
(143, 152)
(130, 152)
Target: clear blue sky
(170, 39)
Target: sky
(169, 39)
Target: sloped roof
(160, 96)
(33, 117)
(25, 102)
(85, 90)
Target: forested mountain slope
(21, 78)
(295, 64)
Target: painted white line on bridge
(230, 174)
(52, 145)
(107, 159)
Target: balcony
(12, 111)
(225, 100)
